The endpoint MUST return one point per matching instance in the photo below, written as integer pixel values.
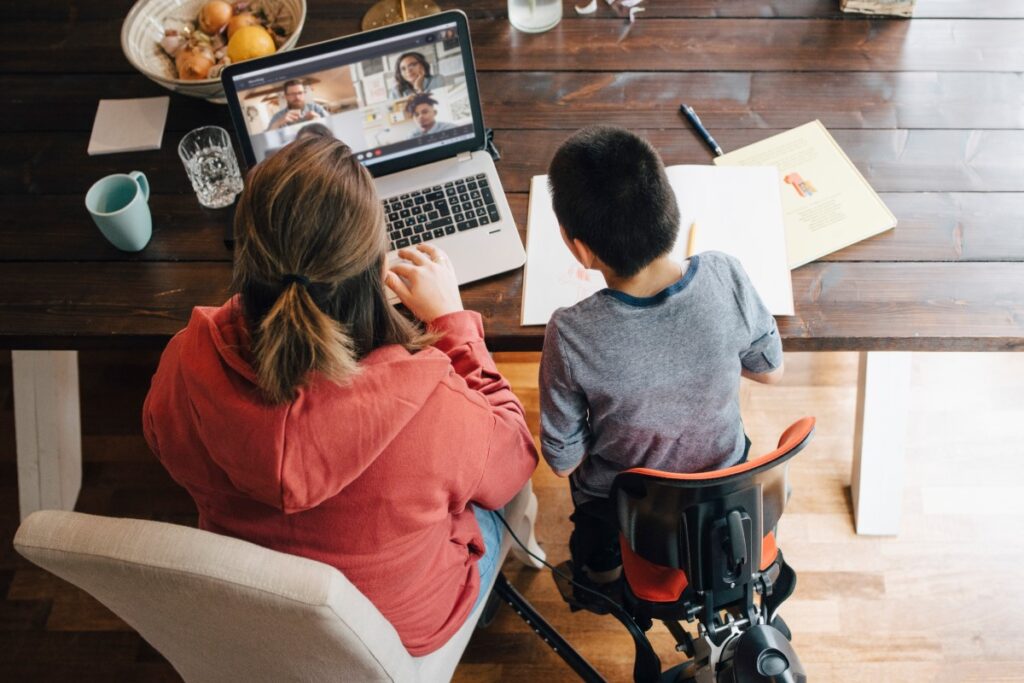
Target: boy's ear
(583, 253)
(580, 251)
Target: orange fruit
(250, 42)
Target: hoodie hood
(295, 456)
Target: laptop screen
(396, 97)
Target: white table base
(880, 441)
(47, 427)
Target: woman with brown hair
(308, 416)
(413, 75)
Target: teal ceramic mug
(119, 206)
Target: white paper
(738, 212)
(552, 278)
(128, 125)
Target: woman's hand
(417, 84)
(425, 283)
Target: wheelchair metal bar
(546, 631)
(646, 665)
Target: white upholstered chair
(221, 609)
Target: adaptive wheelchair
(701, 548)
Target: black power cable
(616, 607)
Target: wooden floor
(940, 603)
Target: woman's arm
(511, 456)
(426, 284)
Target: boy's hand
(426, 283)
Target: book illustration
(803, 187)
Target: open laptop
(437, 182)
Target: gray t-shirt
(653, 382)
(436, 128)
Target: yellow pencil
(689, 243)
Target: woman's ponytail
(309, 257)
(295, 338)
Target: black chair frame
(710, 527)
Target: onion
(214, 16)
(193, 64)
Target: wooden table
(931, 110)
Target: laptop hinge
(464, 156)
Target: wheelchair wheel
(782, 628)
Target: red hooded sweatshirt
(374, 477)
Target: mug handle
(140, 178)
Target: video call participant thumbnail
(413, 75)
(423, 108)
(298, 109)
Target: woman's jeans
(488, 565)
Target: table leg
(879, 442)
(47, 428)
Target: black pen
(690, 114)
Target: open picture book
(826, 202)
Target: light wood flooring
(941, 602)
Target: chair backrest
(220, 609)
(711, 525)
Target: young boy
(645, 373)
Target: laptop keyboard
(441, 210)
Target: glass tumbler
(211, 166)
(534, 16)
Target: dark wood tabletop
(930, 110)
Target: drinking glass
(534, 16)
(211, 166)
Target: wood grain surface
(865, 610)
(930, 110)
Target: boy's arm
(564, 430)
(761, 360)
(773, 377)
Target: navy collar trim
(655, 299)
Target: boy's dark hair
(417, 100)
(610, 191)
